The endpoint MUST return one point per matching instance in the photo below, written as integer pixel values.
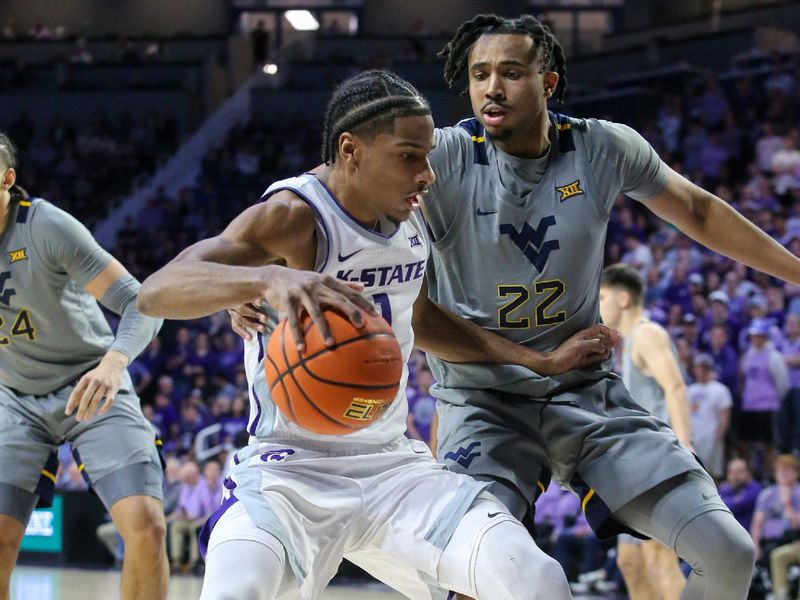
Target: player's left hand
(101, 382)
(587, 347)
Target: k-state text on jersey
(380, 276)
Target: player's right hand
(295, 292)
(587, 347)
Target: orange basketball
(338, 389)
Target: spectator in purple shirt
(764, 383)
(719, 313)
(777, 515)
(199, 498)
(726, 361)
(739, 491)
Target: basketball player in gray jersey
(58, 360)
(652, 375)
(518, 214)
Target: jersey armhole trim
(319, 218)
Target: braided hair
(456, 51)
(8, 160)
(366, 105)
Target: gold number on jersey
(554, 288)
(520, 295)
(551, 289)
(22, 326)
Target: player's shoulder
(286, 208)
(39, 209)
(651, 335)
(47, 218)
(602, 136)
(459, 144)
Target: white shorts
(390, 508)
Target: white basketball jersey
(390, 265)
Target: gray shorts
(594, 439)
(118, 450)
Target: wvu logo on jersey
(570, 190)
(464, 456)
(531, 241)
(17, 255)
(6, 293)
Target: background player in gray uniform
(519, 214)
(58, 360)
(652, 375)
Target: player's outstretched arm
(652, 346)
(710, 221)
(115, 289)
(455, 339)
(239, 266)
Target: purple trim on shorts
(260, 347)
(205, 533)
(252, 429)
(236, 460)
(229, 484)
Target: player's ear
(9, 178)
(550, 81)
(625, 299)
(348, 149)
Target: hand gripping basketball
(339, 389)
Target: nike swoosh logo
(481, 213)
(709, 496)
(492, 515)
(348, 256)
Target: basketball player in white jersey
(652, 375)
(296, 502)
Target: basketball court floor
(51, 583)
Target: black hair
(456, 51)
(8, 160)
(624, 277)
(368, 104)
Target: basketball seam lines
(303, 360)
(359, 386)
(290, 372)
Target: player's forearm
(194, 289)
(713, 223)
(678, 409)
(458, 340)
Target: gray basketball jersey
(643, 388)
(526, 264)
(51, 329)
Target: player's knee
(740, 551)
(510, 561)
(147, 527)
(629, 565)
(721, 547)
